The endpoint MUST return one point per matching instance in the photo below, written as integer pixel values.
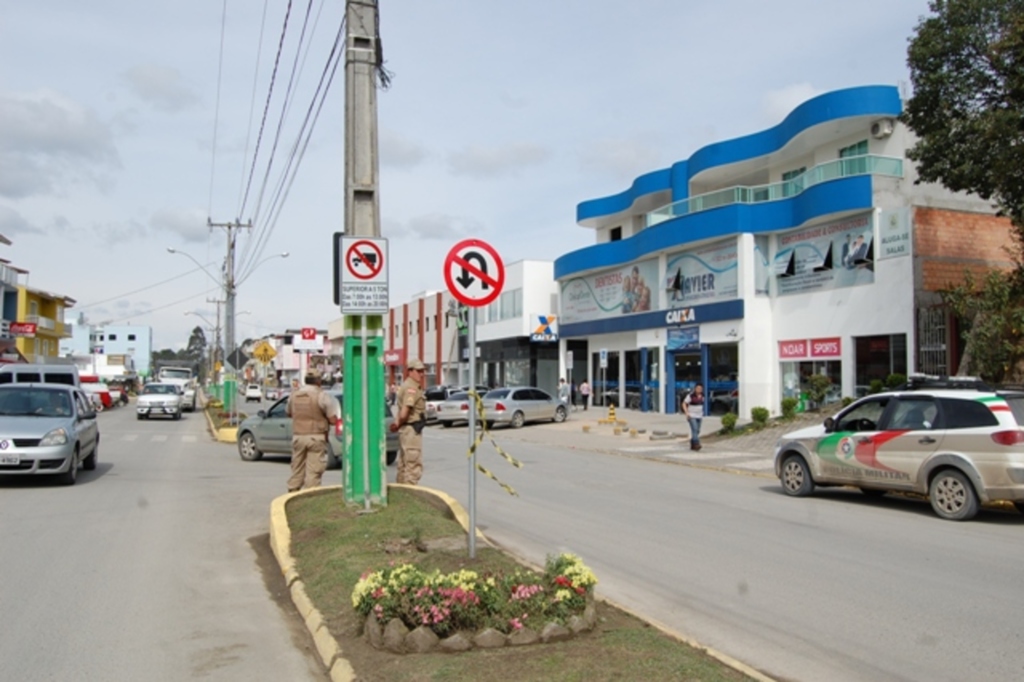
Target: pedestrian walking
(412, 417)
(693, 408)
(313, 412)
(585, 394)
(572, 394)
(563, 392)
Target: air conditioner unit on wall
(882, 128)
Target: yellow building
(45, 310)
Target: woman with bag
(693, 408)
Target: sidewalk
(661, 436)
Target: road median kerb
(327, 646)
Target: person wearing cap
(313, 412)
(412, 417)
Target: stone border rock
(327, 646)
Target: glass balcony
(42, 322)
(869, 164)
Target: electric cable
(252, 103)
(216, 107)
(145, 288)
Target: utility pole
(232, 229)
(364, 470)
(215, 352)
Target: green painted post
(362, 438)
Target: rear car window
(1016, 403)
(436, 394)
(461, 395)
(496, 394)
(966, 414)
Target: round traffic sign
(474, 272)
(364, 259)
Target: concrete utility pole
(229, 282)
(362, 205)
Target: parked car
(272, 393)
(253, 392)
(34, 373)
(518, 405)
(455, 410)
(960, 443)
(435, 395)
(47, 429)
(99, 394)
(270, 431)
(159, 400)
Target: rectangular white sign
(363, 264)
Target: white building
(116, 341)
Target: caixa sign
(831, 347)
(681, 316)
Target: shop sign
(26, 329)
(683, 338)
(394, 357)
(793, 349)
(824, 257)
(545, 328)
(826, 348)
(611, 293)
(894, 233)
(681, 316)
(703, 275)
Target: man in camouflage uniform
(313, 412)
(410, 421)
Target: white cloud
(397, 151)
(161, 86)
(13, 223)
(436, 226)
(48, 141)
(779, 103)
(189, 224)
(621, 158)
(496, 161)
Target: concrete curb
(229, 435)
(327, 646)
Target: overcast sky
(501, 118)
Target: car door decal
(850, 456)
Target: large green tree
(967, 69)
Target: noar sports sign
(831, 347)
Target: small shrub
(847, 400)
(876, 386)
(789, 407)
(895, 379)
(760, 416)
(817, 389)
(728, 422)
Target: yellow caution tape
(478, 405)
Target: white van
(34, 374)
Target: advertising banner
(610, 293)
(829, 256)
(683, 338)
(703, 275)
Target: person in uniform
(313, 412)
(412, 416)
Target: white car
(253, 392)
(159, 400)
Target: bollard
(618, 431)
(586, 428)
(632, 433)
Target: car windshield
(176, 373)
(35, 402)
(156, 389)
(436, 394)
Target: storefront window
(878, 357)
(517, 372)
(723, 378)
(606, 381)
(688, 373)
(634, 379)
(796, 381)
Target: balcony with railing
(41, 322)
(868, 164)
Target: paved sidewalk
(661, 436)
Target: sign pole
(472, 434)
(363, 391)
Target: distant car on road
(159, 400)
(272, 393)
(47, 429)
(455, 410)
(518, 405)
(270, 431)
(435, 395)
(253, 392)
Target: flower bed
(408, 609)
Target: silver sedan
(517, 405)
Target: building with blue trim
(800, 250)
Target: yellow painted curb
(327, 646)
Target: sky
(125, 127)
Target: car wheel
(1019, 506)
(89, 463)
(559, 415)
(796, 477)
(518, 419)
(247, 449)
(873, 492)
(447, 425)
(332, 459)
(71, 475)
(952, 496)
(392, 457)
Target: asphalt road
(832, 587)
(149, 568)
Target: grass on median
(334, 545)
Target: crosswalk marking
(188, 439)
(158, 437)
(129, 436)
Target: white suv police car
(955, 439)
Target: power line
(216, 108)
(143, 313)
(146, 288)
(252, 102)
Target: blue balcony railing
(869, 164)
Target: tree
(967, 68)
(196, 348)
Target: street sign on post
(263, 352)
(475, 275)
(361, 275)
